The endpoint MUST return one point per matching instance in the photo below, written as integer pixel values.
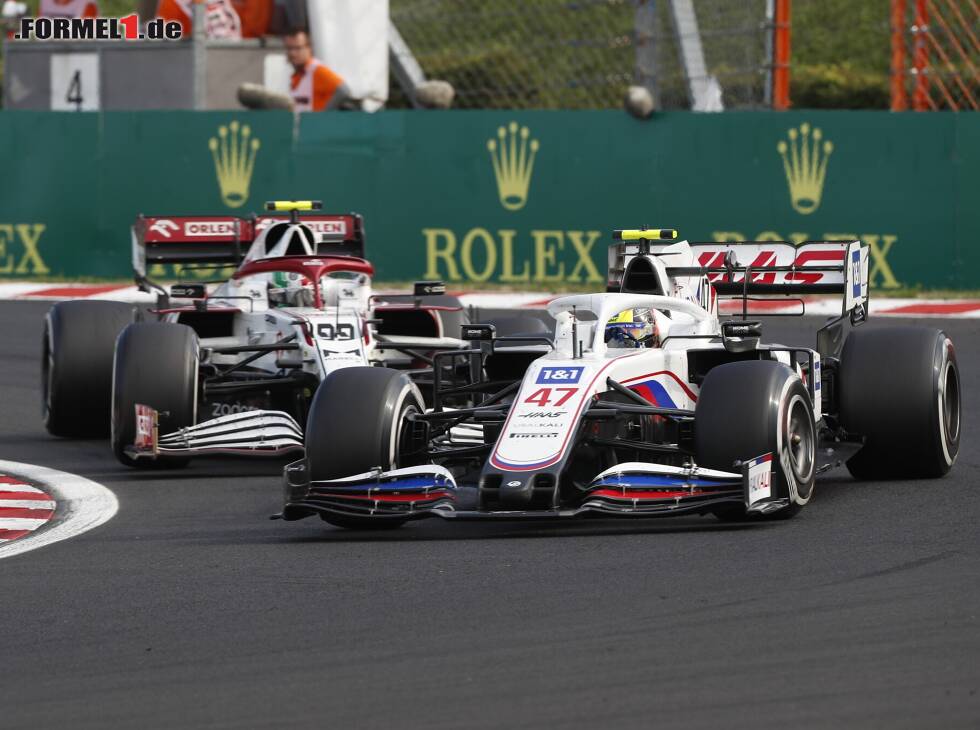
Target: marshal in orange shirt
(314, 87)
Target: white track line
(83, 505)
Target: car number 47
(543, 396)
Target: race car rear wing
(743, 269)
(225, 240)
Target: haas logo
(164, 227)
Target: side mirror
(429, 288)
(478, 331)
(741, 336)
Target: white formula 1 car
(647, 404)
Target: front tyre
(156, 365)
(358, 422)
(749, 408)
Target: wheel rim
(403, 439)
(801, 441)
(949, 403)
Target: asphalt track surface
(191, 609)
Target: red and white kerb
(23, 508)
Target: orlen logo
(164, 227)
(330, 227)
(209, 228)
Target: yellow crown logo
(805, 162)
(234, 159)
(513, 164)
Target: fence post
(900, 95)
(780, 61)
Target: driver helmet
(290, 290)
(633, 328)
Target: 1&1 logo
(560, 375)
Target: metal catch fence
(585, 53)
(935, 55)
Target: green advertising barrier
(506, 197)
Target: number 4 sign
(75, 82)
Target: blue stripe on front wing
(415, 482)
(642, 480)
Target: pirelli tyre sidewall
(899, 389)
(357, 423)
(76, 366)
(156, 364)
(750, 408)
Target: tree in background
(840, 54)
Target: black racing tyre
(749, 408)
(520, 325)
(156, 365)
(356, 423)
(899, 388)
(76, 366)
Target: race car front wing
(400, 493)
(252, 433)
(638, 488)
(634, 489)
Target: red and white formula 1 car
(232, 370)
(647, 405)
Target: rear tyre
(357, 423)
(749, 408)
(156, 365)
(900, 389)
(76, 366)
